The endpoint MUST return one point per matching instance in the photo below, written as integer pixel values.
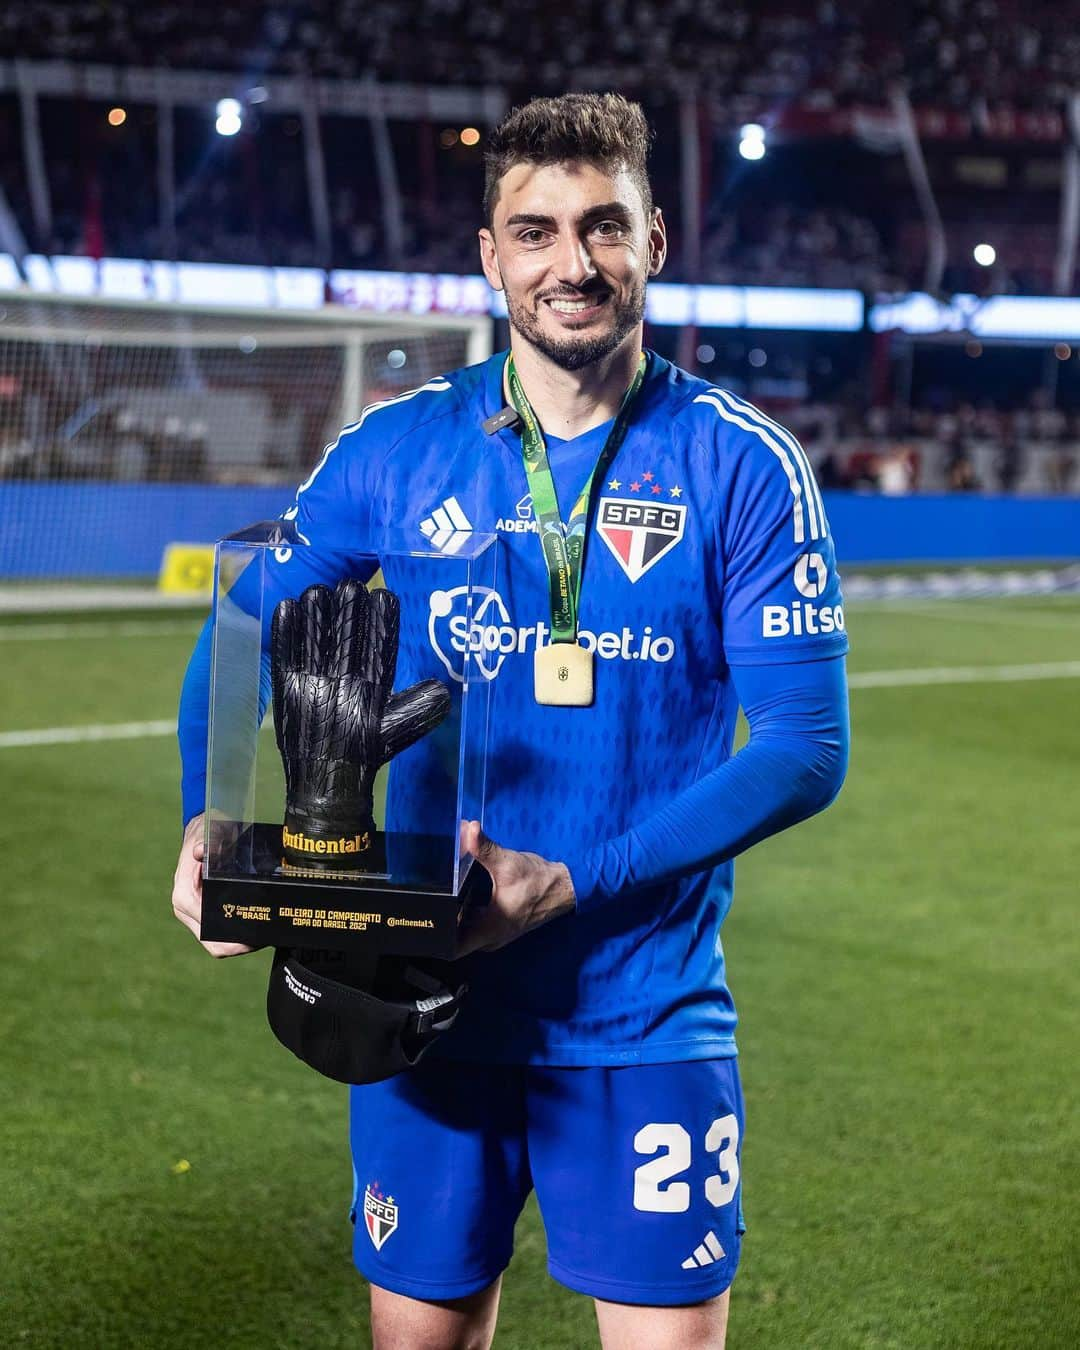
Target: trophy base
(252, 895)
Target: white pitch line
(113, 731)
(54, 632)
(885, 679)
(950, 610)
(866, 679)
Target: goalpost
(128, 425)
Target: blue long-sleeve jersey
(710, 581)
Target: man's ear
(657, 242)
(489, 259)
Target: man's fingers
(187, 891)
(476, 842)
(191, 922)
(487, 851)
(470, 829)
(223, 949)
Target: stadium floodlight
(984, 254)
(752, 141)
(229, 119)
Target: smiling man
(678, 565)
(573, 325)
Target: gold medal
(563, 675)
(563, 670)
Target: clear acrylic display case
(405, 891)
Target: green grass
(905, 968)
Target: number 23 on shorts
(656, 1189)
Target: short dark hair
(603, 129)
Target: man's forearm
(792, 767)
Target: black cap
(360, 1020)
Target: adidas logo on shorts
(706, 1253)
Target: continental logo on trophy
(302, 843)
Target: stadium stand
(950, 53)
(988, 80)
(830, 205)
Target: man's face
(572, 248)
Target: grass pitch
(905, 968)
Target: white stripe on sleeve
(778, 450)
(813, 492)
(438, 385)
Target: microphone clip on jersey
(508, 417)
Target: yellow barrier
(187, 569)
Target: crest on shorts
(640, 533)
(380, 1214)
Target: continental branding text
(301, 843)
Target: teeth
(569, 306)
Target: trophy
(366, 855)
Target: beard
(574, 352)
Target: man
(595, 1056)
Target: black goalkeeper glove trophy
(335, 871)
(333, 656)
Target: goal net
(128, 426)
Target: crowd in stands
(786, 246)
(222, 219)
(247, 201)
(897, 450)
(890, 450)
(838, 52)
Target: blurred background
(225, 228)
(873, 213)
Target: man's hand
(187, 889)
(527, 891)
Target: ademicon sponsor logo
(488, 637)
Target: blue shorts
(636, 1172)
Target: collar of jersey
(494, 402)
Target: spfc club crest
(640, 533)
(380, 1214)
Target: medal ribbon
(564, 544)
